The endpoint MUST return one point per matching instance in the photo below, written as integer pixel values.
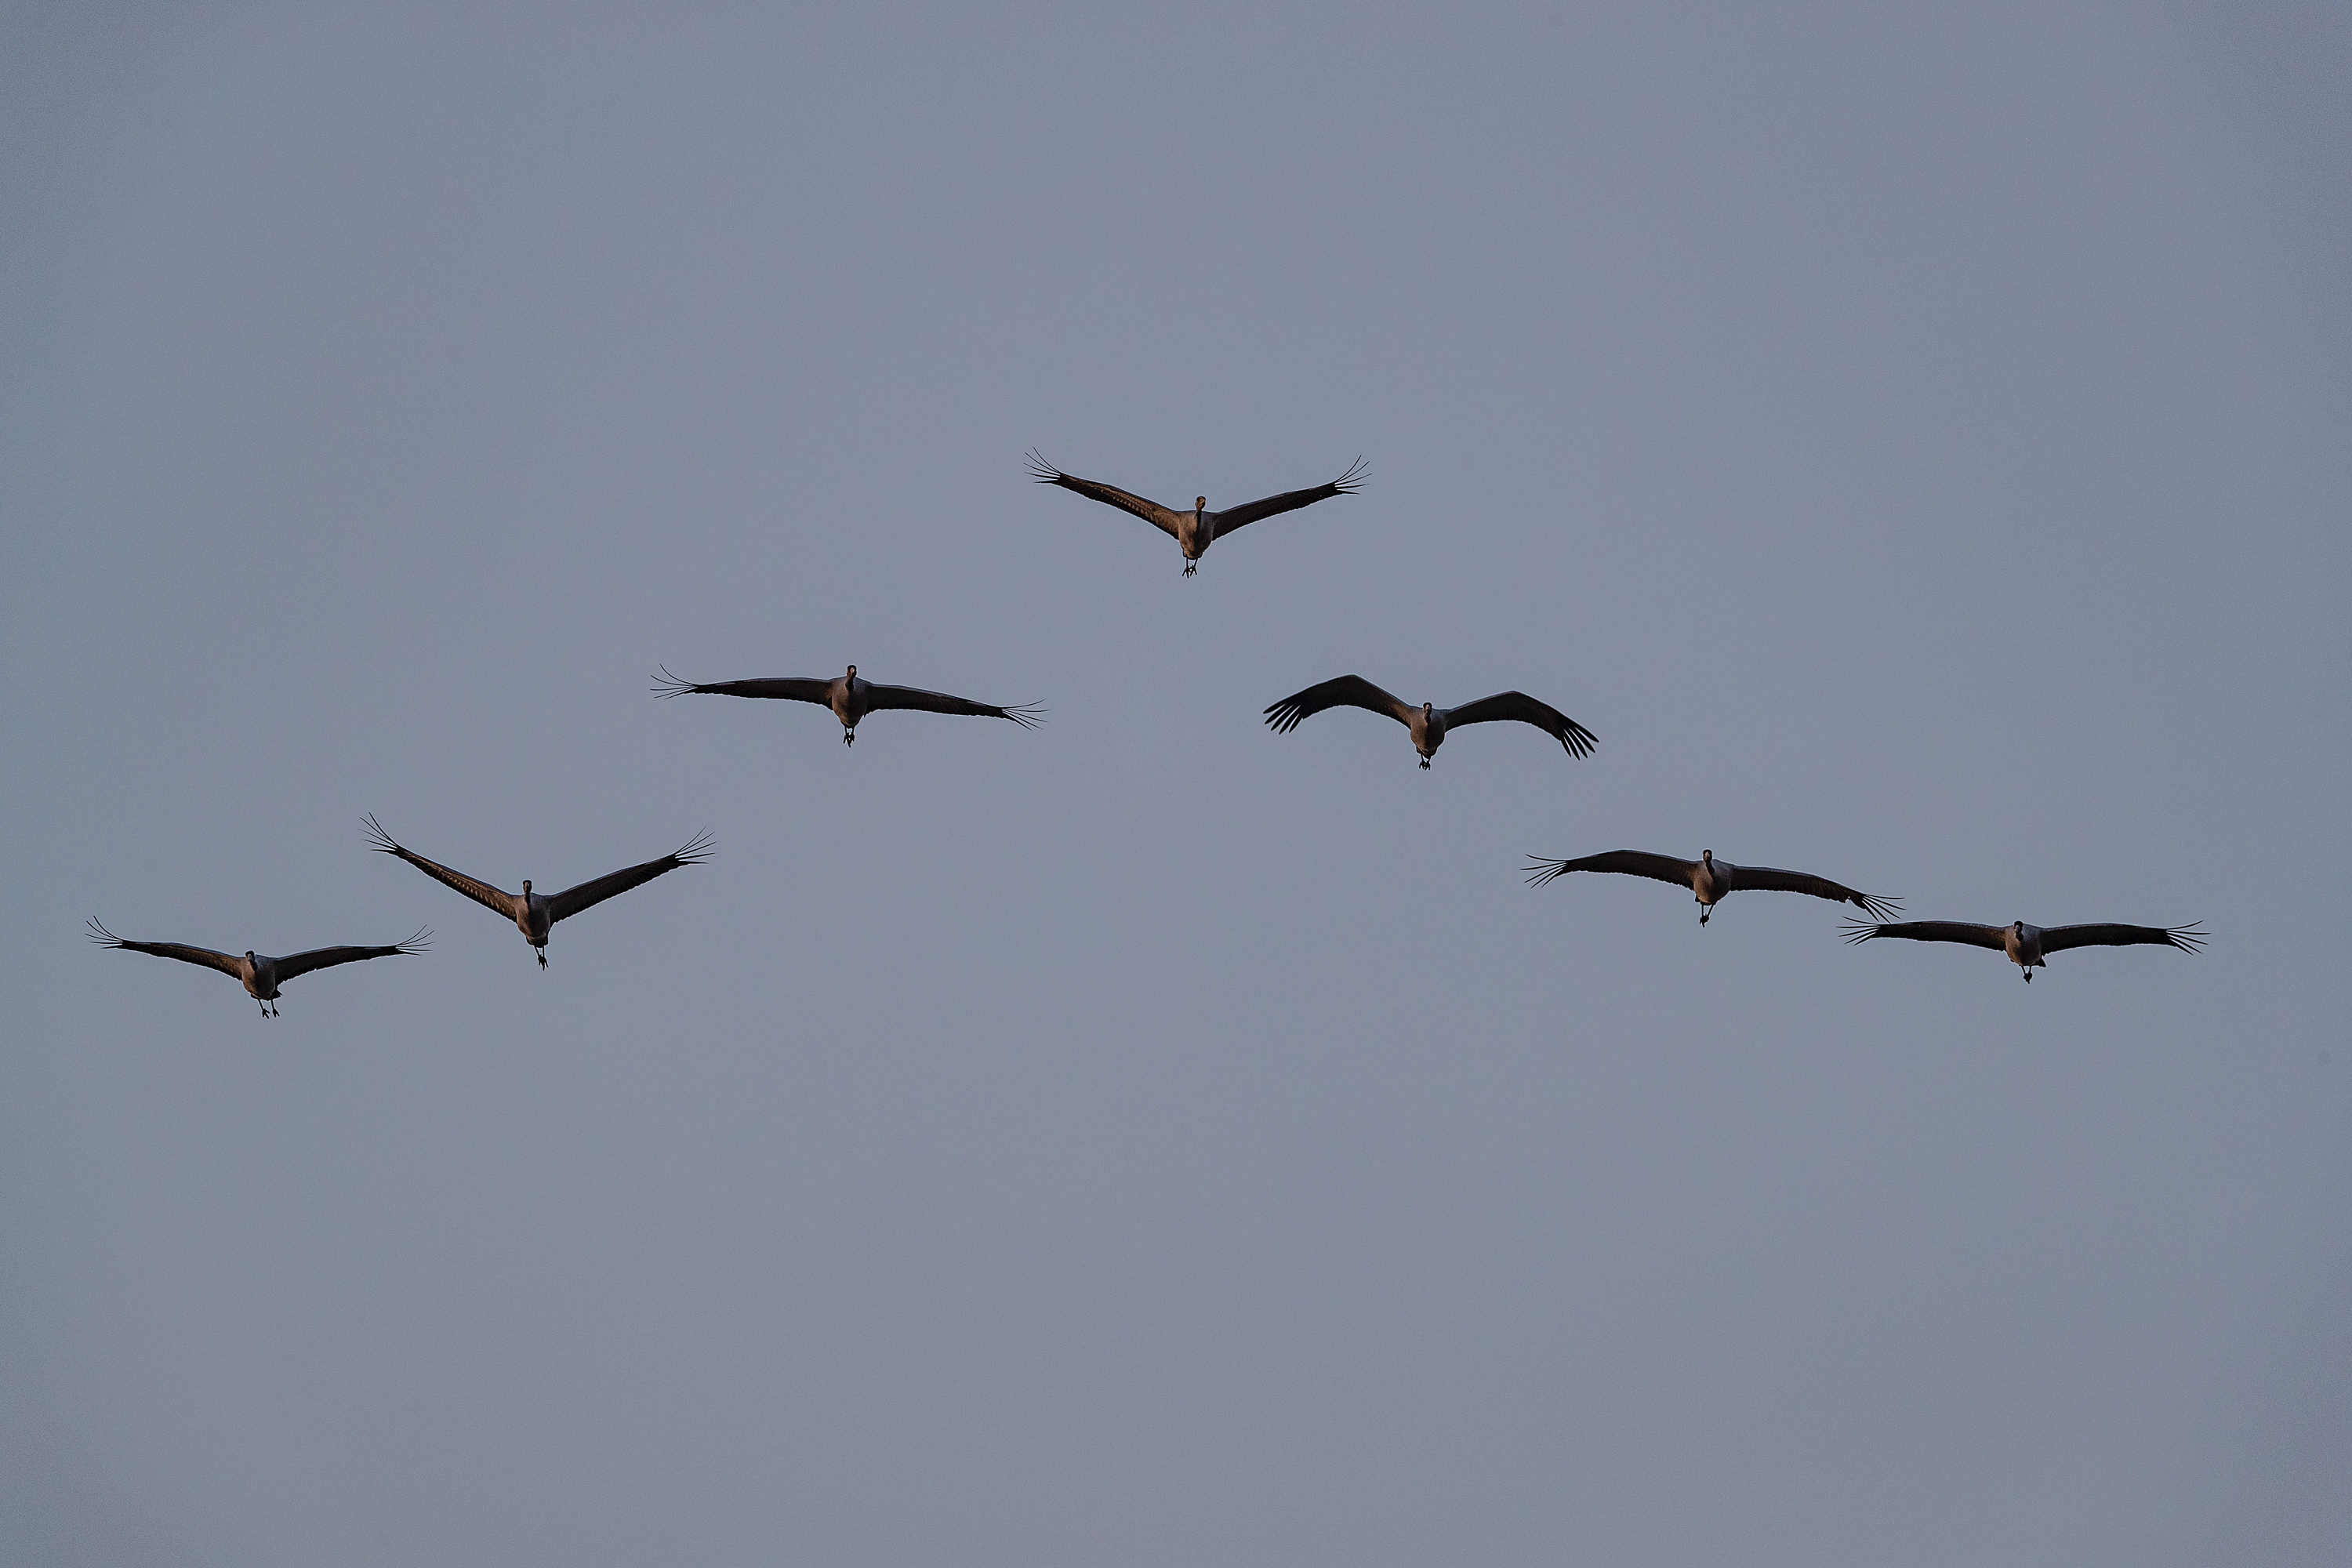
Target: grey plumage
(535, 914)
(260, 974)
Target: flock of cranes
(851, 698)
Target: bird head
(1707, 856)
(852, 672)
(1199, 503)
(249, 955)
(526, 887)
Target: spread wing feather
(1928, 931)
(328, 957)
(2058, 939)
(225, 963)
(1624, 862)
(481, 892)
(1346, 692)
(1025, 714)
(1778, 881)
(1151, 511)
(795, 689)
(572, 900)
(1574, 737)
(1242, 516)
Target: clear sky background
(1916, 445)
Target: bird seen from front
(1711, 878)
(851, 697)
(1196, 530)
(1429, 724)
(2026, 945)
(535, 914)
(260, 974)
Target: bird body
(1196, 530)
(2027, 946)
(1711, 879)
(535, 914)
(259, 974)
(849, 695)
(1428, 723)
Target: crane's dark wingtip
(697, 850)
(417, 943)
(103, 937)
(1878, 909)
(1541, 870)
(2187, 937)
(668, 685)
(377, 837)
(1028, 715)
(1352, 482)
(1862, 930)
(1043, 472)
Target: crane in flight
(1429, 724)
(259, 974)
(1196, 530)
(1711, 878)
(2026, 945)
(851, 697)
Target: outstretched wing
(225, 963)
(482, 893)
(328, 957)
(2058, 939)
(1930, 930)
(1024, 714)
(1623, 862)
(1151, 511)
(795, 689)
(1236, 516)
(572, 900)
(1347, 691)
(1574, 737)
(1778, 881)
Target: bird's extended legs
(1706, 913)
(1424, 764)
(2029, 975)
(263, 1005)
(1191, 567)
(542, 957)
(848, 736)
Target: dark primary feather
(1774, 880)
(1928, 931)
(228, 964)
(1234, 517)
(1624, 862)
(572, 900)
(878, 697)
(1345, 691)
(2058, 939)
(481, 892)
(795, 689)
(1151, 511)
(1574, 737)
(328, 957)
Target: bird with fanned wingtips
(1428, 723)
(260, 974)
(535, 914)
(1196, 530)
(850, 697)
(2026, 945)
(1711, 878)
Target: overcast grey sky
(1915, 443)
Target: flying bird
(1711, 878)
(2027, 945)
(259, 974)
(1196, 530)
(1428, 722)
(534, 914)
(850, 698)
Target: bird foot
(542, 961)
(849, 737)
(1191, 567)
(1424, 764)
